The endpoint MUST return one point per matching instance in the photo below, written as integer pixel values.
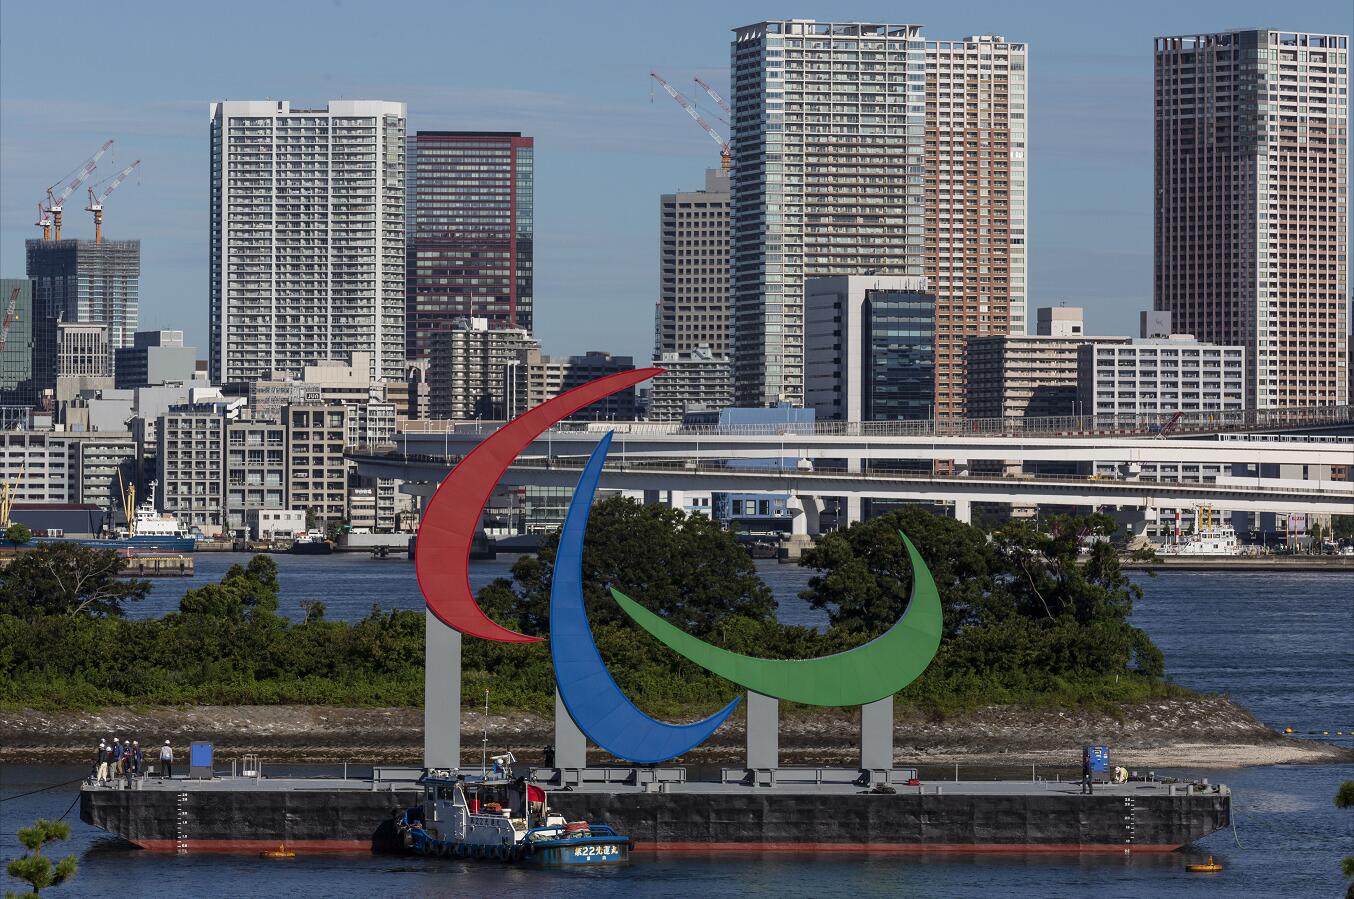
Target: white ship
(1210, 537)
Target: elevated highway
(960, 490)
(640, 440)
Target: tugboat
(493, 817)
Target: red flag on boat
(535, 794)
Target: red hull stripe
(871, 848)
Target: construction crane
(714, 96)
(44, 221)
(9, 317)
(54, 200)
(725, 153)
(96, 203)
(8, 491)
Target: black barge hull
(1035, 820)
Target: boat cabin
(479, 811)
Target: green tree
(1344, 798)
(36, 869)
(1018, 604)
(864, 578)
(1342, 527)
(18, 533)
(686, 568)
(245, 591)
(67, 578)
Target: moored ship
(147, 529)
(1211, 536)
(504, 820)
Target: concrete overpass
(959, 490)
(641, 440)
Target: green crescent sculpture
(867, 673)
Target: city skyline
(590, 113)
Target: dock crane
(96, 203)
(9, 317)
(725, 153)
(53, 208)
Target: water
(348, 584)
(1280, 644)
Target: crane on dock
(725, 152)
(49, 217)
(96, 203)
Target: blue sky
(574, 76)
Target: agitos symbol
(597, 705)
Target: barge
(813, 813)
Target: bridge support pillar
(571, 747)
(963, 510)
(853, 507)
(876, 735)
(805, 512)
(441, 694)
(763, 731)
(677, 500)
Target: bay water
(1282, 645)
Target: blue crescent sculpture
(593, 699)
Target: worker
(1086, 771)
(166, 760)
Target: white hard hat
(166, 742)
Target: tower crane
(54, 200)
(9, 317)
(96, 203)
(714, 96)
(725, 153)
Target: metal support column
(876, 735)
(441, 694)
(763, 731)
(571, 747)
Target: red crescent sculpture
(442, 557)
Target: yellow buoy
(1211, 868)
(1288, 730)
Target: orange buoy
(1211, 868)
(280, 852)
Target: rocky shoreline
(1204, 731)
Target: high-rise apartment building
(1153, 376)
(863, 149)
(1029, 375)
(827, 179)
(693, 250)
(307, 236)
(1251, 214)
(471, 223)
(694, 381)
(976, 215)
(870, 345)
(28, 347)
(88, 282)
(471, 373)
(317, 473)
(155, 357)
